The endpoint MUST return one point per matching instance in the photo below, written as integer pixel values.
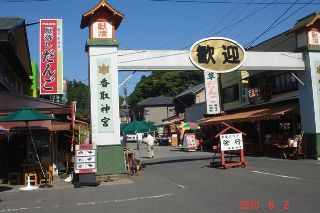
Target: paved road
(177, 181)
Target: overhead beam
(148, 60)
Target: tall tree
(79, 92)
(169, 83)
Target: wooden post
(294, 125)
(222, 159)
(260, 137)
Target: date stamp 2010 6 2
(245, 205)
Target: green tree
(169, 83)
(79, 92)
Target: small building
(154, 109)
(191, 103)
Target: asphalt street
(178, 181)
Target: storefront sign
(212, 92)
(258, 94)
(105, 115)
(51, 61)
(85, 161)
(255, 94)
(217, 54)
(231, 142)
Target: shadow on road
(175, 161)
(5, 188)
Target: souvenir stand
(230, 143)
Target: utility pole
(125, 91)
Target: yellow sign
(217, 54)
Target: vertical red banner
(49, 69)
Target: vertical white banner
(104, 95)
(212, 92)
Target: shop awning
(60, 126)
(53, 126)
(265, 113)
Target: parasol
(27, 115)
(189, 126)
(138, 127)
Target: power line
(220, 22)
(227, 2)
(241, 20)
(241, 12)
(268, 29)
(289, 37)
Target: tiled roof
(156, 101)
(16, 101)
(192, 90)
(8, 23)
(305, 21)
(286, 41)
(86, 18)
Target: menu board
(85, 159)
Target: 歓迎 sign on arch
(217, 54)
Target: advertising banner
(51, 59)
(212, 92)
(189, 142)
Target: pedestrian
(139, 140)
(150, 144)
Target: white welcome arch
(148, 60)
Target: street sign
(231, 142)
(217, 54)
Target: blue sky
(152, 24)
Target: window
(285, 82)
(230, 94)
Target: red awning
(266, 113)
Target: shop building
(274, 105)
(52, 139)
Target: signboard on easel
(189, 142)
(231, 142)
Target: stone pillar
(102, 48)
(309, 102)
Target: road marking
(90, 203)
(20, 209)
(317, 163)
(181, 186)
(173, 183)
(283, 176)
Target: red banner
(50, 60)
